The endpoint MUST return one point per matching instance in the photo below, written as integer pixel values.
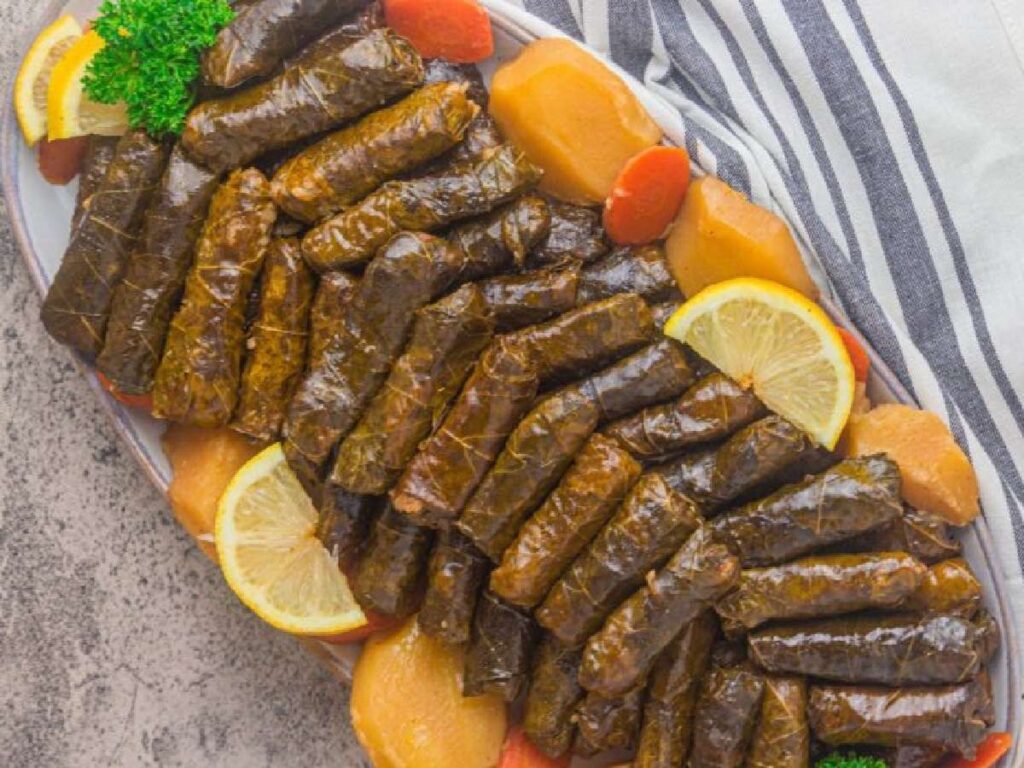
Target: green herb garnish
(850, 760)
(151, 57)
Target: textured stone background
(120, 644)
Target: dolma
(500, 240)
(389, 577)
(145, 300)
(199, 375)
(98, 154)
(345, 522)
(422, 204)
(544, 443)
(852, 497)
(482, 133)
(750, 458)
(445, 71)
(951, 717)
(728, 652)
(672, 695)
(552, 698)
(650, 525)
(711, 410)
(576, 233)
(565, 523)
(77, 304)
(663, 311)
(642, 270)
(408, 274)
(725, 715)
(606, 724)
(498, 658)
(886, 650)
(620, 656)
(441, 477)
(815, 587)
(447, 337)
(264, 32)
(355, 28)
(346, 166)
(588, 338)
(455, 576)
(326, 317)
(782, 736)
(340, 81)
(531, 297)
(947, 586)
(927, 537)
(276, 348)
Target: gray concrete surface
(120, 644)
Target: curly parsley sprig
(850, 760)
(151, 59)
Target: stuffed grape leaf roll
(544, 443)
(672, 694)
(576, 233)
(446, 339)
(620, 656)
(200, 372)
(346, 166)
(641, 270)
(852, 497)
(903, 649)
(442, 70)
(482, 133)
(498, 658)
(439, 480)
(264, 32)
(725, 715)
(98, 154)
(500, 240)
(422, 204)
(947, 586)
(815, 587)
(389, 577)
(649, 526)
(345, 521)
(455, 576)
(606, 724)
(711, 410)
(565, 523)
(553, 696)
(927, 537)
(782, 736)
(531, 297)
(145, 299)
(333, 83)
(77, 304)
(326, 317)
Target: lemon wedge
(70, 112)
(777, 342)
(270, 555)
(33, 80)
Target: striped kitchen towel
(888, 134)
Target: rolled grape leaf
(446, 339)
(333, 82)
(725, 715)
(326, 317)
(606, 724)
(576, 233)
(146, 298)
(422, 204)
(672, 695)
(552, 698)
(500, 240)
(346, 166)
(77, 303)
(200, 374)
(482, 133)
(711, 410)
(444, 71)
(565, 523)
(498, 658)
(531, 297)
(345, 522)
(663, 311)
(816, 587)
(455, 577)
(947, 586)
(277, 342)
(927, 537)
(389, 577)
(904, 649)
(641, 270)
(782, 737)
(649, 526)
(98, 154)
(620, 656)
(850, 498)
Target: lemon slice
(69, 111)
(33, 80)
(270, 555)
(779, 343)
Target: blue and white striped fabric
(888, 134)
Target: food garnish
(33, 80)
(850, 760)
(647, 195)
(519, 752)
(858, 357)
(457, 30)
(778, 343)
(151, 59)
(990, 750)
(70, 111)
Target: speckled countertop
(120, 644)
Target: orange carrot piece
(457, 30)
(990, 750)
(647, 195)
(859, 358)
(519, 752)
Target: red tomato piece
(60, 161)
(647, 195)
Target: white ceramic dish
(40, 214)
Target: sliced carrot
(457, 30)
(859, 358)
(990, 750)
(143, 402)
(60, 161)
(519, 752)
(647, 195)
